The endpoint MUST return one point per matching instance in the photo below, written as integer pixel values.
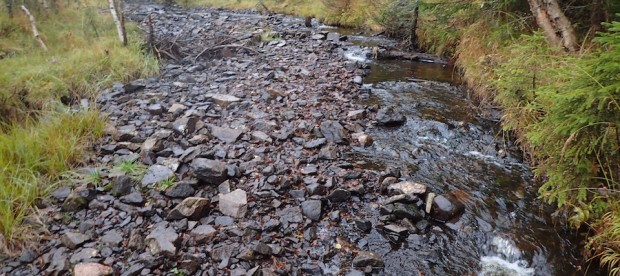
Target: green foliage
(164, 185)
(130, 168)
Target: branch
(119, 24)
(35, 32)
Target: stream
(505, 229)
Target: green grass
(130, 168)
(40, 138)
(164, 185)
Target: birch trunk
(35, 31)
(120, 26)
(554, 24)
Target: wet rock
(333, 131)
(203, 233)
(358, 80)
(390, 116)
(225, 134)
(156, 174)
(409, 211)
(339, 195)
(366, 258)
(407, 187)
(73, 240)
(312, 209)
(122, 185)
(446, 207)
(92, 269)
(186, 125)
(210, 171)
(164, 241)
(193, 208)
(234, 204)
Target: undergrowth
(41, 136)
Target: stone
(156, 174)
(152, 144)
(92, 269)
(177, 108)
(311, 209)
(367, 258)
(363, 139)
(122, 185)
(180, 190)
(224, 100)
(225, 134)
(390, 116)
(409, 211)
(61, 193)
(73, 240)
(263, 249)
(396, 229)
(358, 80)
(261, 136)
(74, 202)
(309, 170)
(407, 187)
(125, 133)
(133, 199)
(163, 241)
(357, 114)
(203, 233)
(446, 207)
(59, 262)
(234, 204)
(84, 254)
(333, 131)
(210, 171)
(333, 36)
(185, 125)
(193, 208)
(339, 195)
(155, 109)
(315, 143)
(112, 238)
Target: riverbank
(568, 136)
(47, 118)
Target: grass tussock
(40, 137)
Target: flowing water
(505, 229)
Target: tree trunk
(597, 16)
(555, 25)
(413, 37)
(118, 20)
(35, 31)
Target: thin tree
(9, 7)
(554, 24)
(119, 21)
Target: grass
(130, 168)
(41, 138)
(164, 185)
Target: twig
(120, 28)
(35, 31)
(225, 46)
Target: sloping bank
(562, 108)
(46, 123)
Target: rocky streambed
(269, 148)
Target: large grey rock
(122, 185)
(234, 204)
(390, 116)
(180, 190)
(164, 241)
(112, 238)
(156, 174)
(185, 125)
(125, 133)
(333, 131)
(210, 171)
(446, 207)
(366, 258)
(92, 269)
(73, 240)
(193, 208)
(410, 211)
(59, 262)
(225, 134)
(311, 209)
(74, 202)
(203, 233)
